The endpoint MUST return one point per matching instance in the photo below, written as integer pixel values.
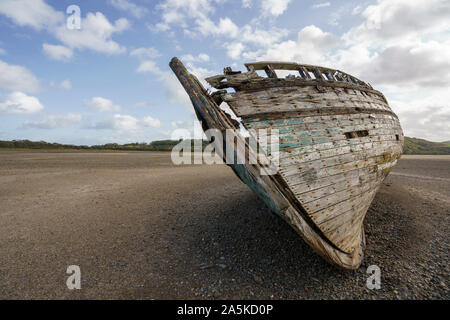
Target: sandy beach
(141, 228)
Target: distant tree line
(160, 145)
(412, 146)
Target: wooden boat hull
(338, 140)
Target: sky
(104, 77)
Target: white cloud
(426, 117)
(143, 104)
(148, 66)
(194, 19)
(151, 122)
(174, 91)
(356, 10)
(2, 51)
(118, 122)
(207, 27)
(96, 34)
(252, 37)
(202, 57)
(57, 52)
(274, 7)
(126, 124)
(66, 84)
(394, 45)
(186, 129)
(234, 50)
(32, 13)
(177, 12)
(20, 103)
(309, 47)
(336, 15)
(261, 37)
(246, 3)
(178, 123)
(390, 21)
(400, 47)
(158, 27)
(422, 65)
(102, 105)
(145, 53)
(54, 121)
(126, 5)
(321, 5)
(227, 27)
(384, 49)
(18, 78)
(181, 133)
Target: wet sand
(142, 228)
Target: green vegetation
(412, 146)
(421, 146)
(161, 145)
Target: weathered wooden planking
(350, 221)
(323, 248)
(341, 123)
(341, 159)
(330, 128)
(347, 196)
(339, 140)
(330, 199)
(342, 185)
(316, 120)
(307, 93)
(212, 117)
(307, 75)
(315, 185)
(337, 144)
(344, 229)
(379, 149)
(306, 130)
(319, 169)
(249, 104)
(361, 151)
(301, 138)
(327, 211)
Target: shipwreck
(339, 139)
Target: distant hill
(421, 146)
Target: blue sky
(109, 81)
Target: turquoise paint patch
(321, 140)
(255, 187)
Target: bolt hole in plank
(356, 134)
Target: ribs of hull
(337, 143)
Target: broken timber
(339, 139)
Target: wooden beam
(270, 72)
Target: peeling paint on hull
(339, 139)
